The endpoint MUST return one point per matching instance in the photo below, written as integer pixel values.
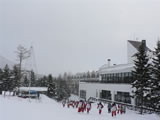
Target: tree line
(58, 87)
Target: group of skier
(81, 105)
(86, 106)
(113, 108)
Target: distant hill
(4, 61)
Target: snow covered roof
(136, 44)
(40, 89)
(116, 68)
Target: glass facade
(105, 94)
(83, 94)
(125, 77)
(123, 97)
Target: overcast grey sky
(76, 35)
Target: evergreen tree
(65, 76)
(51, 92)
(88, 74)
(33, 79)
(1, 82)
(62, 90)
(155, 84)
(7, 81)
(44, 81)
(15, 77)
(93, 74)
(141, 75)
(51, 86)
(26, 82)
(50, 79)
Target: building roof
(116, 68)
(40, 89)
(136, 44)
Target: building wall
(131, 50)
(94, 89)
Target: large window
(123, 97)
(125, 77)
(83, 94)
(105, 94)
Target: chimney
(144, 44)
(109, 62)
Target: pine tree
(51, 86)
(7, 81)
(26, 82)
(155, 84)
(141, 75)
(33, 79)
(62, 89)
(15, 77)
(93, 74)
(50, 79)
(51, 92)
(88, 74)
(1, 82)
(44, 81)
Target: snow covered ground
(14, 108)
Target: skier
(119, 109)
(80, 106)
(109, 107)
(100, 106)
(123, 109)
(114, 108)
(64, 103)
(88, 106)
(83, 106)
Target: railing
(129, 106)
(105, 82)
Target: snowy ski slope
(14, 108)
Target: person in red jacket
(83, 106)
(100, 107)
(80, 106)
(88, 107)
(114, 108)
(119, 109)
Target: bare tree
(22, 54)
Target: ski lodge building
(114, 81)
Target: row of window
(105, 94)
(120, 96)
(125, 77)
